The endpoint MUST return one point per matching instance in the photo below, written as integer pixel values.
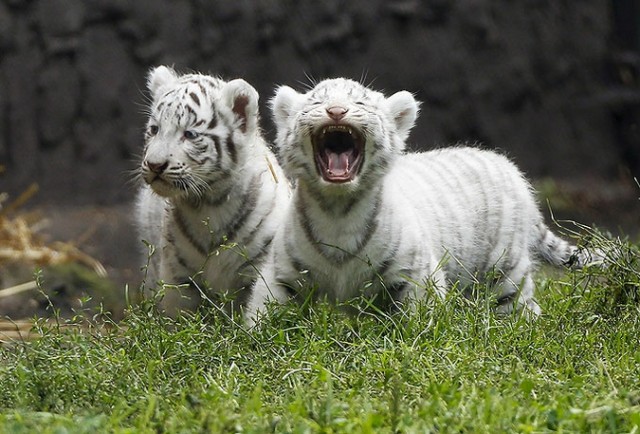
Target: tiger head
(340, 134)
(199, 131)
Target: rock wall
(526, 76)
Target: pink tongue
(338, 164)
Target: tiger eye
(190, 135)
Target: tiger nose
(157, 167)
(336, 112)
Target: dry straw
(21, 244)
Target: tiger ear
(403, 109)
(283, 104)
(159, 77)
(242, 99)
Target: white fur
(160, 77)
(221, 186)
(407, 221)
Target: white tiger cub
(368, 219)
(210, 181)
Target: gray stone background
(549, 81)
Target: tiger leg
(179, 298)
(408, 293)
(177, 293)
(265, 290)
(515, 291)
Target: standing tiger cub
(367, 218)
(214, 192)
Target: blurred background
(553, 83)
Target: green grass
(452, 366)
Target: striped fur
(211, 181)
(404, 219)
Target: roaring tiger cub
(367, 218)
(214, 193)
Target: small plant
(448, 365)
(614, 281)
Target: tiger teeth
(337, 128)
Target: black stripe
(353, 200)
(199, 162)
(386, 264)
(231, 147)
(216, 143)
(509, 264)
(332, 206)
(253, 232)
(169, 236)
(258, 257)
(518, 218)
(372, 226)
(195, 98)
(183, 262)
(202, 89)
(288, 286)
(296, 263)
(262, 250)
(173, 275)
(507, 298)
(201, 147)
(329, 252)
(372, 177)
(291, 292)
(245, 209)
(212, 123)
(487, 229)
(306, 226)
(219, 199)
(398, 288)
(182, 226)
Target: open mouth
(338, 151)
